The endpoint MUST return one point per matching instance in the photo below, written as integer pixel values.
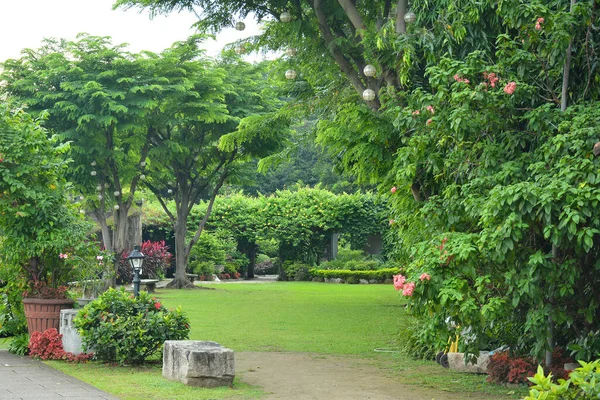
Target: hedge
(345, 274)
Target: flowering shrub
(47, 345)
(128, 330)
(157, 259)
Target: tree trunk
(251, 254)
(119, 238)
(134, 231)
(181, 255)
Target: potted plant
(39, 222)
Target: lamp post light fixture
(285, 17)
(136, 259)
(369, 95)
(410, 17)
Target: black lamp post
(136, 259)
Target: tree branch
(353, 16)
(566, 68)
(400, 11)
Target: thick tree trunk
(251, 254)
(181, 255)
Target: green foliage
(295, 271)
(37, 222)
(586, 347)
(379, 275)
(128, 330)
(20, 344)
(210, 250)
(582, 384)
(12, 286)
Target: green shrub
(583, 384)
(205, 268)
(20, 344)
(261, 258)
(346, 254)
(295, 271)
(121, 328)
(379, 275)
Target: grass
(347, 320)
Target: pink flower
(466, 81)
(492, 78)
(416, 112)
(430, 109)
(63, 256)
(429, 121)
(399, 281)
(540, 20)
(99, 258)
(510, 87)
(456, 77)
(393, 190)
(425, 277)
(408, 289)
(392, 222)
(157, 305)
(538, 26)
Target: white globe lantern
(240, 26)
(291, 51)
(82, 211)
(99, 187)
(170, 191)
(100, 197)
(117, 193)
(93, 163)
(410, 17)
(93, 173)
(239, 49)
(290, 74)
(143, 164)
(369, 95)
(81, 198)
(285, 17)
(369, 70)
(116, 207)
(142, 176)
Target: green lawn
(311, 317)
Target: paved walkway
(25, 378)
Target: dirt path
(301, 376)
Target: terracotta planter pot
(42, 314)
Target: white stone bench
(198, 363)
(192, 277)
(149, 285)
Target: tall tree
(204, 133)
(99, 98)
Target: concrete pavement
(26, 378)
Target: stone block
(198, 363)
(363, 281)
(457, 363)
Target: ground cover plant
(345, 320)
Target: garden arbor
(480, 127)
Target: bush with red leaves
(157, 259)
(47, 345)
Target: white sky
(24, 23)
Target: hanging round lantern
(106, 185)
(82, 211)
(285, 17)
(290, 74)
(142, 176)
(93, 163)
(116, 207)
(369, 95)
(100, 197)
(291, 51)
(369, 70)
(93, 173)
(99, 187)
(117, 193)
(170, 191)
(81, 198)
(410, 17)
(239, 49)
(240, 26)
(143, 164)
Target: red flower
(157, 305)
